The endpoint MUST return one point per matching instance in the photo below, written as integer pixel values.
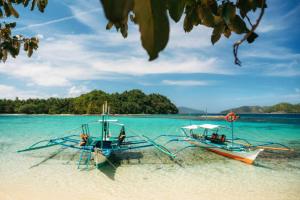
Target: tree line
(128, 102)
(277, 108)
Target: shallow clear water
(45, 168)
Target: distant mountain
(186, 110)
(278, 108)
(245, 109)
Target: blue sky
(77, 55)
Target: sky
(77, 54)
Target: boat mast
(232, 133)
(102, 131)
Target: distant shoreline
(200, 115)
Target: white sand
(220, 179)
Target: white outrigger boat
(212, 141)
(234, 148)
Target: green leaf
(206, 16)
(238, 25)
(176, 8)
(4, 55)
(7, 10)
(42, 5)
(116, 11)
(252, 37)
(213, 6)
(25, 3)
(187, 24)
(124, 28)
(227, 32)
(30, 51)
(217, 32)
(259, 3)
(33, 4)
(151, 16)
(26, 46)
(13, 11)
(245, 6)
(228, 12)
(1, 13)
(109, 25)
(11, 25)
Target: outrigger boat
(212, 141)
(234, 148)
(100, 148)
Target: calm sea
(19, 131)
(147, 174)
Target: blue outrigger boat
(100, 148)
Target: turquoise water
(19, 131)
(147, 174)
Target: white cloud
(75, 91)
(199, 37)
(287, 69)
(10, 92)
(101, 55)
(186, 82)
(69, 58)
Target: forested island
(128, 102)
(277, 108)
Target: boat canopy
(112, 121)
(204, 126)
(108, 120)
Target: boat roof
(108, 120)
(112, 121)
(204, 126)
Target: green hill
(277, 108)
(128, 102)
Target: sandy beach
(207, 176)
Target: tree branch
(239, 42)
(249, 21)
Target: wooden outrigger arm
(53, 142)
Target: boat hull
(243, 156)
(100, 157)
(246, 156)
